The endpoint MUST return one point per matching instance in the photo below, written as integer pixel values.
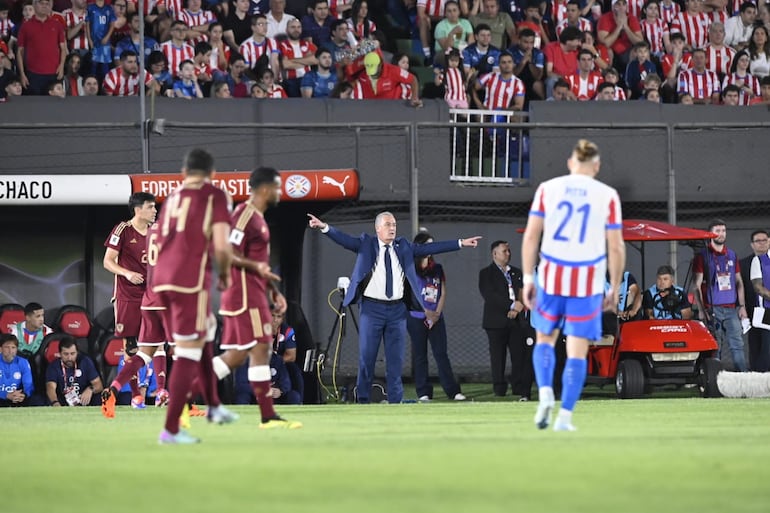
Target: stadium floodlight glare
(675, 357)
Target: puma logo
(331, 181)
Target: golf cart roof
(646, 231)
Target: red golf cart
(656, 352)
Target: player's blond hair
(586, 151)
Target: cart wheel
(629, 383)
(707, 379)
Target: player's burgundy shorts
(128, 318)
(186, 314)
(244, 331)
(153, 332)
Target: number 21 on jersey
(569, 216)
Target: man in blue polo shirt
(16, 383)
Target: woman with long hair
(359, 23)
(739, 75)
(428, 326)
(73, 82)
(759, 52)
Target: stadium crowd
(490, 54)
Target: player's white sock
(220, 367)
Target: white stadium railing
(485, 149)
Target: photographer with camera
(665, 300)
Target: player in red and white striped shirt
(198, 21)
(76, 17)
(693, 23)
(504, 91)
(124, 80)
(259, 44)
(718, 56)
(575, 225)
(655, 30)
(572, 18)
(700, 83)
(177, 50)
(298, 55)
(739, 76)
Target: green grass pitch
(647, 456)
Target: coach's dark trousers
(387, 323)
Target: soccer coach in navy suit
(377, 281)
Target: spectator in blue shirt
(320, 82)
(529, 64)
(481, 55)
(16, 383)
(132, 41)
(186, 86)
(100, 23)
(316, 27)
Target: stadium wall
(53, 253)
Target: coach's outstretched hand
(315, 223)
(471, 242)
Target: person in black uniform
(506, 323)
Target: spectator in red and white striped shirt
(655, 30)
(584, 83)
(573, 19)
(267, 78)
(701, 83)
(503, 90)
(612, 76)
(198, 21)
(176, 50)
(298, 56)
(669, 10)
(672, 64)
(693, 23)
(748, 85)
(259, 46)
(429, 12)
(124, 80)
(454, 80)
(718, 55)
(6, 25)
(75, 19)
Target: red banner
(313, 185)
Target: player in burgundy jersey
(126, 258)
(246, 304)
(195, 223)
(152, 339)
